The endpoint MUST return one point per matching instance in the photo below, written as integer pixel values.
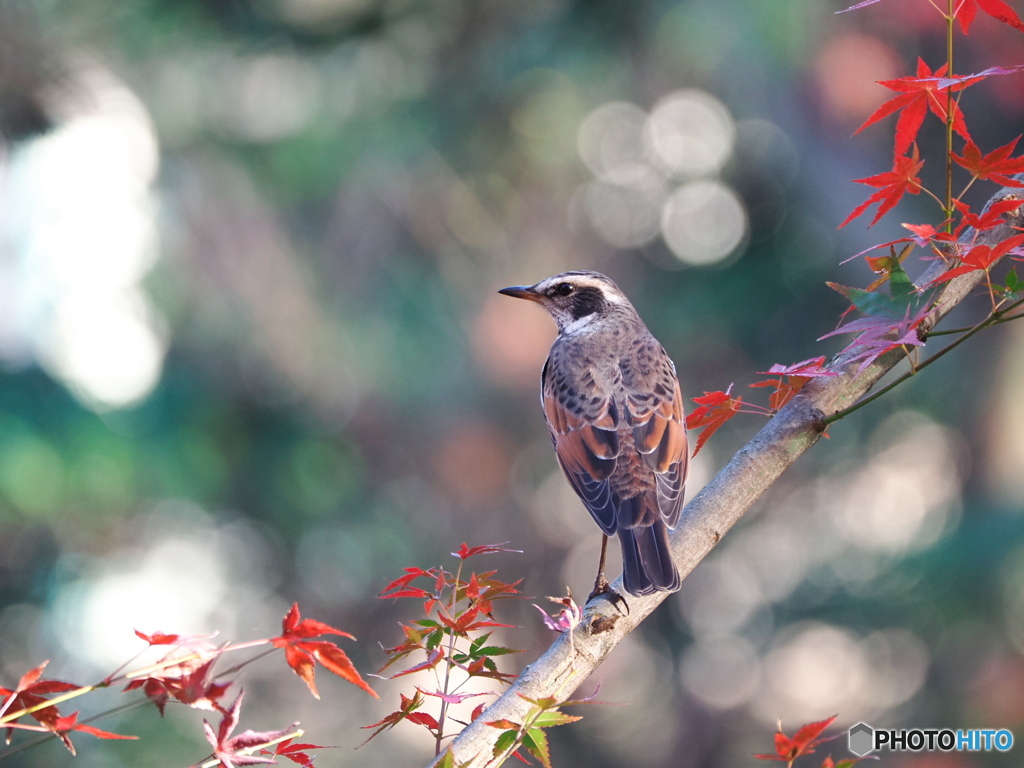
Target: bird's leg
(601, 584)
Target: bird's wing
(587, 445)
(655, 413)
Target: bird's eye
(564, 289)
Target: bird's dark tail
(647, 560)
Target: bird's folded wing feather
(586, 449)
(659, 432)
(587, 445)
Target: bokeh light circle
(690, 134)
(703, 222)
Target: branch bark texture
(783, 440)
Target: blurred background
(251, 353)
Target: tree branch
(791, 432)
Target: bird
(613, 407)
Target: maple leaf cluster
(29, 697)
(716, 408)
(450, 637)
(897, 320)
(185, 675)
(530, 734)
(803, 742)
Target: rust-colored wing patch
(581, 445)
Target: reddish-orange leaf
(300, 651)
(925, 235)
(337, 661)
(186, 642)
(981, 257)
(297, 753)
(399, 584)
(891, 185)
(303, 666)
(190, 682)
(990, 218)
(465, 551)
(405, 712)
(31, 692)
(715, 409)
(422, 718)
(784, 390)
(996, 166)
(803, 742)
(808, 735)
(473, 593)
(63, 726)
(294, 627)
(432, 661)
(408, 592)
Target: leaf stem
(950, 106)
(12, 716)
(448, 662)
(1001, 319)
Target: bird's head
(574, 299)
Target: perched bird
(612, 404)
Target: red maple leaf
(406, 711)
(803, 742)
(302, 653)
(892, 185)
(400, 586)
(990, 218)
(190, 643)
(230, 750)
(981, 257)
(30, 692)
(927, 234)
(943, 242)
(716, 408)
(191, 682)
(295, 752)
(63, 726)
(995, 165)
(997, 9)
(466, 551)
(917, 96)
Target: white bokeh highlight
(77, 237)
(658, 174)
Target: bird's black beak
(522, 292)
